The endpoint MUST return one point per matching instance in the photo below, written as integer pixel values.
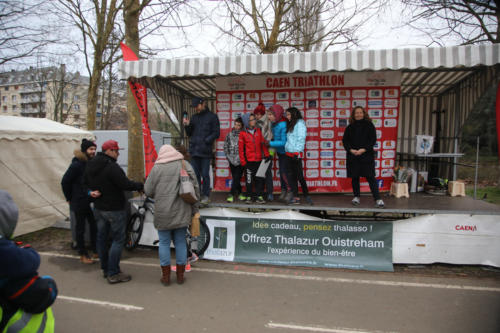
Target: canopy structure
(35, 154)
(450, 79)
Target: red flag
(141, 98)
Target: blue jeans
(180, 244)
(110, 224)
(201, 166)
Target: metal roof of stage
(426, 71)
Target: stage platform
(417, 204)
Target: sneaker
(86, 260)
(173, 268)
(204, 200)
(309, 200)
(294, 201)
(248, 200)
(260, 200)
(242, 197)
(282, 196)
(270, 197)
(379, 203)
(356, 201)
(120, 277)
(194, 258)
(230, 199)
(288, 197)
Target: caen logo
(465, 227)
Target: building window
(4, 98)
(76, 107)
(14, 108)
(6, 88)
(14, 98)
(65, 106)
(16, 87)
(5, 108)
(75, 98)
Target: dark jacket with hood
(360, 134)
(72, 184)
(203, 130)
(104, 174)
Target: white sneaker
(356, 201)
(379, 203)
(204, 200)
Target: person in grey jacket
(233, 157)
(172, 214)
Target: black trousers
(253, 181)
(296, 175)
(236, 173)
(85, 215)
(373, 187)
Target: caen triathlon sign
(353, 245)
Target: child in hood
(265, 126)
(251, 148)
(233, 156)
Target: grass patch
(492, 193)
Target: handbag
(186, 188)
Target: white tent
(35, 153)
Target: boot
(165, 278)
(180, 273)
(86, 260)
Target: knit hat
(278, 111)
(110, 144)
(167, 154)
(86, 144)
(8, 215)
(260, 109)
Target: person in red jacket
(251, 144)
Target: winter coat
(360, 134)
(203, 130)
(72, 184)
(279, 136)
(265, 126)
(296, 139)
(171, 211)
(104, 174)
(231, 147)
(251, 146)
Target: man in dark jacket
(105, 175)
(203, 129)
(77, 195)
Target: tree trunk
(93, 94)
(135, 142)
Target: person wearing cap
(78, 196)
(103, 174)
(202, 129)
(25, 297)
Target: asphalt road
(227, 297)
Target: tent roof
(25, 128)
(426, 71)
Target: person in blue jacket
(25, 297)
(296, 132)
(278, 127)
(203, 129)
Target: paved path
(226, 297)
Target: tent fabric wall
(35, 155)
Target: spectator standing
(203, 129)
(278, 126)
(78, 196)
(265, 126)
(251, 147)
(233, 157)
(359, 140)
(296, 132)
(106, 176)
(25, 297)
(172, 214)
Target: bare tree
(467, 21)
(22, 33)
(294, 25)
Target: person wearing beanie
(265, 126)
(25, 297)
(251, 148)
(79, 198)
(104, 177)
(172, 214)
(278, 126)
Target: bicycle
(145, 208)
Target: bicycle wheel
(134, 231)
(203, 240)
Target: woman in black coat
(359, 139)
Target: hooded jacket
(296, 139)
(279, 136)
(203, 130)
(104, 174)
(231, 147)
(171, 211)
(72, 184)
(251, 143)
